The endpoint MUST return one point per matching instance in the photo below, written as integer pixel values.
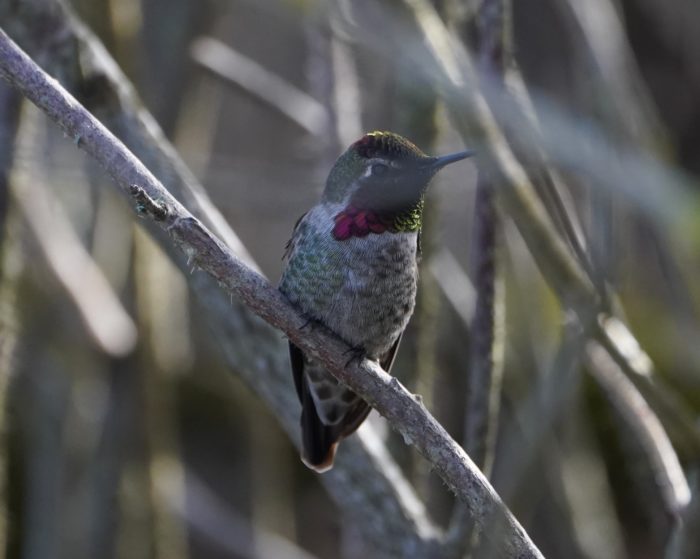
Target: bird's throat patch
(352, 222)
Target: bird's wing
(297, 359)
(360, 409)
(290, 243)
(319, 441)
(388, 359)
(419, 245)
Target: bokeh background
(137, 425)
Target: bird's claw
(356, 354)
(310, 321)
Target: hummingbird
(352, 265)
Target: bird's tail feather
(319, 441)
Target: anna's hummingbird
(352, 266)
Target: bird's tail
(319, 441)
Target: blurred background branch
(11, 267)
(486, 334)
(236, 69)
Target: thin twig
(385, 393)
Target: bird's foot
(310, 322)
(356, 354)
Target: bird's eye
(379, 169)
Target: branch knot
(145, 205)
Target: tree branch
(685, 541)
(402, 409)
(667, 471)
(11, 269)
(485, 344)
(359, 482)
(486, 351)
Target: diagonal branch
(238, 70)
(636, 412)
(401, 408)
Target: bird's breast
(377, 291)
(361, 288)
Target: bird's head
(386, 176)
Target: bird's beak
(438, 163)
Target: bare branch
(649, 432)
(250, 346)
(624, 349)
(382, 391)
